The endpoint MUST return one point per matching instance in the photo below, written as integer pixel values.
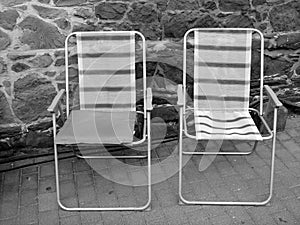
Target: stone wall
(32, 34)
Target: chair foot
(180, 202)
(148, 208)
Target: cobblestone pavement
(28, 195)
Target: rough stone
(143, 13)
(19, 67)
(258, 2)
(17, 56)
(151, 31)
(69, 2)
(44, 1)
(290, 41)
(83, 27)
(286, 17)
(183, 5)
(8, 19)
(33, 94)
(9, 3)
(63, 23)
(49, 13)
(280, 65)
(83, 13)
(4, 40)
(50, 73)
(61, 61)
(10, 130)
(39, 34)
(110, 10)
(4, 146)
(3, 66)
(238, 21)
(5, 111)
(177, 25)
(40, 125)
(234, 5)
(73, 75)
(41, 61)
(38, 139)
(210, 5)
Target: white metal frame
(146, 133)
(183, 128)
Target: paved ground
(28, 195)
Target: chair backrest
(222, 68)
(106, 65)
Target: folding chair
(222, 64)
(107, 95)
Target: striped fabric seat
(222, 85)
(106, 65)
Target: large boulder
(5, 111)
(143, 13)
(110, 10)
(68, 2)
(33, 94)
(176, 25)
(49, 13)
(4, 40)
(8, 19)
(39, 34)
(286, 17)
(234, 5)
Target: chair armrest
(180, 95)
(272, 97)
(56, 102)
(149, 99)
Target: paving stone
(111, 218)
(47, 202)
(260, 215)
(91, 218)
(29, 181)
(29, 197)
(12, 177)
(49, 217)
(84, 179)
(67, 189)
(81, 165)
(71, 220)
(175, 216)
(31, 169)
(69, 203)
(220, 220)
(29, 214)
(10, 221)
(87, 196)
(284, 217)
(134, 219)
(47, 185)
(8, 209)
(47, 170)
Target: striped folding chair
(222, 64)
(107, 96)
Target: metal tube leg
(254, 203)
(99, 208)
(181, 199)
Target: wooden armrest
(55, 103)
(272, 97)
(149, 99)
(180, 95)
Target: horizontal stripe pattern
(225, 125)
(106, 63)
(222, 81)
(222, 63)
(223, 48)
(106, 55)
